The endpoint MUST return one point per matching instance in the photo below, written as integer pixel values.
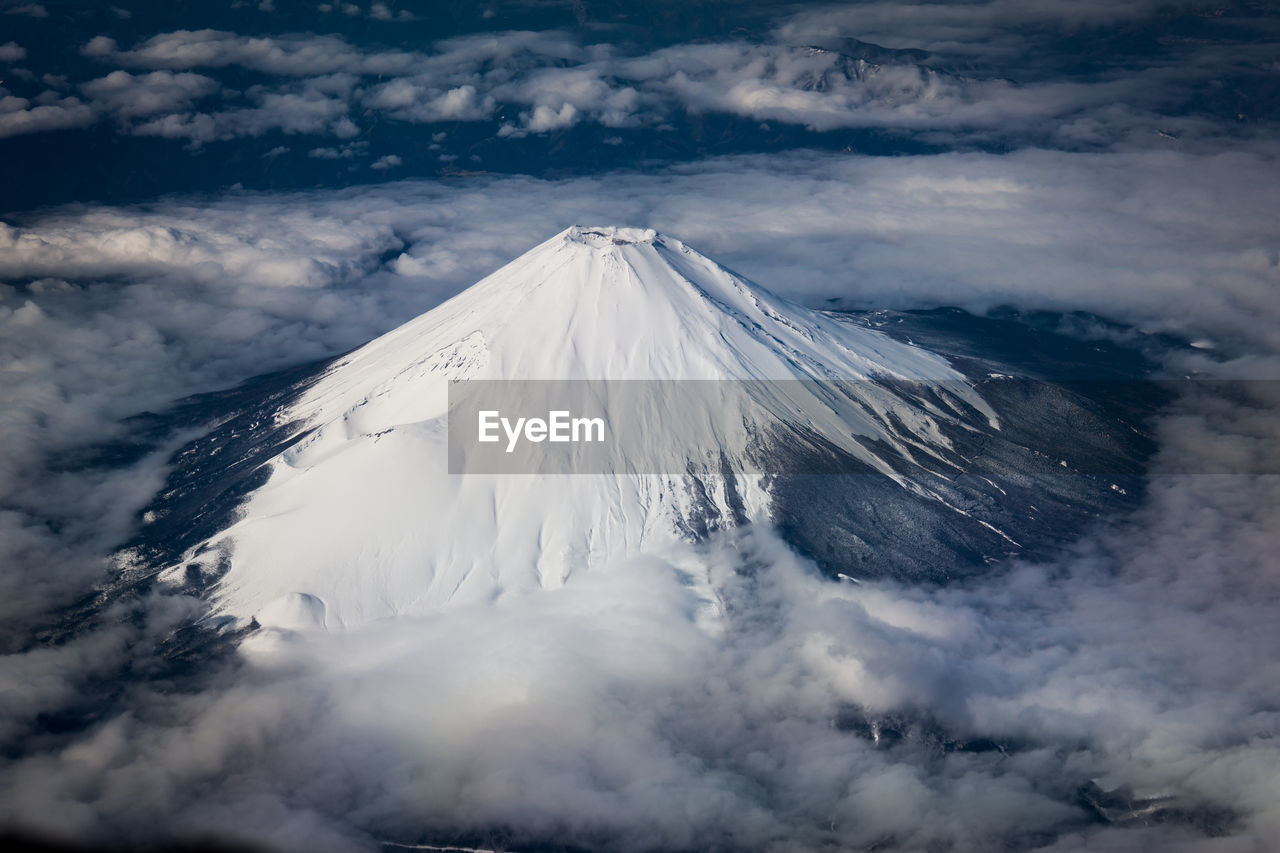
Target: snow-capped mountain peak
(606, 303)
(362, 518)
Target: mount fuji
(323, 496)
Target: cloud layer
(672, 702)
(973, 73)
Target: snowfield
(361, 519)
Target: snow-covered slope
(361, 519)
